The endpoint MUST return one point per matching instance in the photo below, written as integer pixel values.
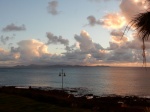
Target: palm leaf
(142, 24)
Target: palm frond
(142, 24)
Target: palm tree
(142, 24)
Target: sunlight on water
(96, 80)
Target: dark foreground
(35, 100)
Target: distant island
(48, 66)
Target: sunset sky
(71, 32)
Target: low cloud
(31, 52)
(52, 7)
(83, 52)
(85, 42)
(13, 27)
(6, 56)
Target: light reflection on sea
(96, 80)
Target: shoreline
(76, 91)
(88, 101)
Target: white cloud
(110, 21)
(30, 51)
(130, 8)
(113, 21)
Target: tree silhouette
(141, 22)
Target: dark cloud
(52, 7)
(4, 40)
(70, 48)
(6, 56)
(92, 20)
(56, 39)
(121, 55)
(117, 33)
(13, 27)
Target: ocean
(94, 80)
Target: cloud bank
(84, 51)
(122, 50)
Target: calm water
(97, 80)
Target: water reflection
(98, 80)
(129, 81)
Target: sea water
(95, 80)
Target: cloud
(117, 36)
(85, 42)
(31, 52)
(6, 56)
(90, 51)
(118, 20)
(130, 8)
(121, 49)
(120, 55)
(4, 40)
(70, 48)
(113, 21)
(118, 33)
(55, 39)
(31, 48)
(92, 20)
(52, 7)
(13, 27)
(83, 52)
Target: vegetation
(34, 100)
(142, 24)
(15, 103)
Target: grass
(35, 100)
(14, 103)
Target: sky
(70, 32)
